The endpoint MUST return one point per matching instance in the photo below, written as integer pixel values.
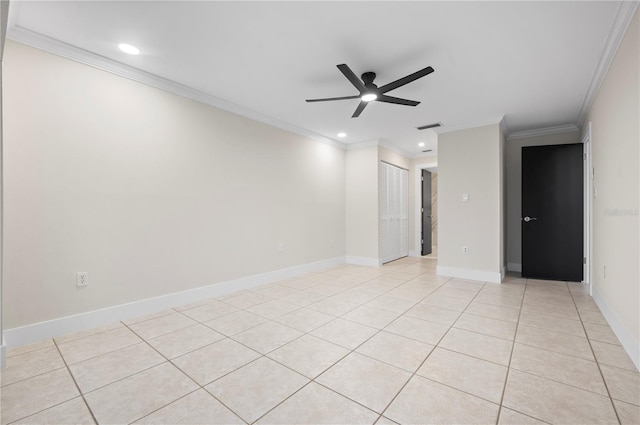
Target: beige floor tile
(182, 341)
(407, 294)
(195, 304)
(484, 347)
(256, 388)
(457, 304)
(594, 317)
(563, 311)
(163, 325)
(151, 390)
(344, 333)
(558, 367)
(213, 361)
(333, 306)
(309, 355)
(273, 309)
(396, 350)
(358, 296)
(486, 326)
(326, 289)
(36, 394)
(612, 355)
(275, 290)
(99, 371)
(233, 323)
(315, 404)
(95, 345)
(623, 385)
(247, 299)
(304, 319)
(469, 374)
(511, 417)
(500, 300)
(88, 332)
(470, 285)
(503, 290)
(554, 341)
(434, 314)
(371, 316)
(30, 364)
(146, 317)
(629, 414)
(493, 311)
(452, 292)
(199, 407)
(385, 421)
(210, 311)
(365, 380)
(424, 331)
(601, 333)
(555, 324)
(424, 401)
(587, 305)
(23, 349)
(267, 336)
(554, 402)
(71, 412)
(389, 303)
(303, 298)
(300, 284)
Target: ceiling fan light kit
(370, 92)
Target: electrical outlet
(465, 250)
(82, 279)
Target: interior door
(552, 212)
(393, 212)
(426, 213)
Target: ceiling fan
(370, 92)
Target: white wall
(469, 161)
(615, 118)
(148, 192)
(514, 189)
(362, 205)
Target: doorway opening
(421, 213)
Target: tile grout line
(604, 381)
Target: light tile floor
(396, 344)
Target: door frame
(417, 203)
(588, 207)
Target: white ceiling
(533, 62)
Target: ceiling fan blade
(405, 80)
(396, 100)
(352, 77)
(359, 109)
(333, 98)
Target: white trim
(626, 11)
(3, 354)
(465, 126)
(470, 274)
(360, 145)
(417, 203)
(59, 48)
(548, 131)
(587, 207)
(79, 322)
(363, 261)
(503, 273)
(631, 346)
(514, 267)
(399, 151)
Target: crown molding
(548, 131)
(625, 14)
(56, 47)
(361, 145)
(465, 126)
(385, 144)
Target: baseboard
(3, 354)
(363, 261)
(79, 322)
(413, 253)
(514, 267)
(631, 346)
(470, 274)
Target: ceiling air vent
(428, 150)
(424, 127)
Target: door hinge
(584, 260)
(422, 241)
(422, 178)
(584, 156)
(421, 209)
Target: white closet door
(394, 212)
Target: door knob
(528, 219)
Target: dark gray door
(426, 212)
(552, 212)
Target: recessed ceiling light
(369, 97)
(342, 135)
(421, 144)
(128, 48)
